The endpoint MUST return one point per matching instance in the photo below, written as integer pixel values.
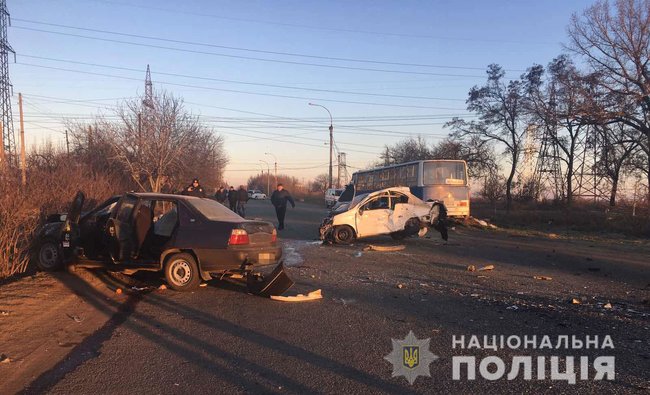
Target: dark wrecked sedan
(188, 238)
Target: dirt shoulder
(45, 316)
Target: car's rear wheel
(412, 226)
(49, 257)
(182, 272)
(399, 235)
(343, 234)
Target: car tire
(412, 226)
(182, 272)
(343, 234)
(49, 256)
(399, 235)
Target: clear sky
(385, 69)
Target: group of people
(237, 199)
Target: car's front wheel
(182, 272)
(343, 234)
(49, 256)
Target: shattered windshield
(357, 199)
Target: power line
(238, 91)
(249, 57)
(244, 82)
(355, 60)
(314, 27)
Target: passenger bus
(442, 180)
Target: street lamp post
(275, 166)
(268, 176)
(331, 139)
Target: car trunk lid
(258, 232)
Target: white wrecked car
(391, 211)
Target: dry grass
(580, 217)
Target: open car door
(346, 196)
(119, 230)
(70, 229)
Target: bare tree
(159, 145)
(319, 183)
(478, 154)
(501, 111)
(406, 150)
(618, 147)
(615, 41)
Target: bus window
(444, 173)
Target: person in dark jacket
(221, 195)
(194, 189)
(279, 199)
(242, 198)
(232, 198)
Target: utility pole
(6, 89)
(67, 143)
(331, 149)
(338, 168)
(331, 140)
(275, 163)
(23, 162)
(268, 177)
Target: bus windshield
(445, 173)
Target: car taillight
(274, 236)
(462, 203)
(238, 237)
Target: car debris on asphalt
(372, 247)
(544, 278)
(485, 268)
(314, 295)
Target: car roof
(405, 190)
(154, 195)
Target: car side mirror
(361, 210)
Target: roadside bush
(49, 189)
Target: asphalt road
(220, 339)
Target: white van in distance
(332, 196)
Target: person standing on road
(221, 195)
(279, 199)
(242, 198)
(232, 198)
(194, 189)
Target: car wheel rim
(180, 272)
(48, 255)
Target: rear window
(444, 173)
(213, 210)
